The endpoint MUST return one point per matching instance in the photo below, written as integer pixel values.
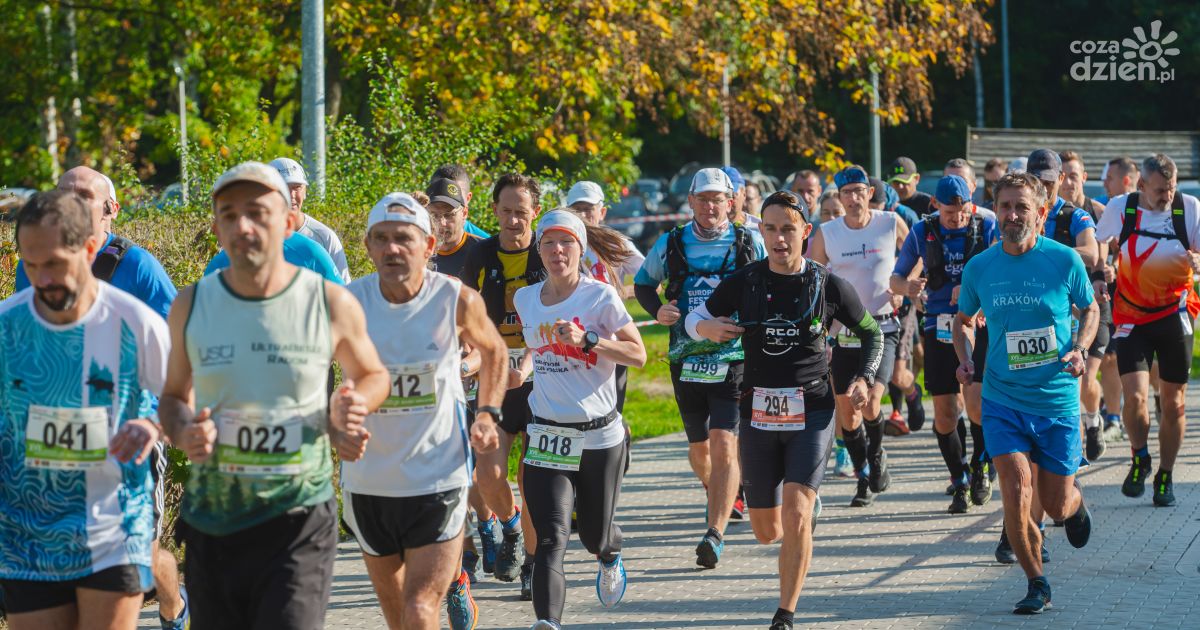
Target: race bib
(846, 339)
(703, 370)
(58, 438)
(943, 328)
(559, 448)
(515, 356)
(414, 389)
(1122, 331)
(257, 443)
(778, 409)
(471, 388)
(1031, 348)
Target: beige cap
(256, 172)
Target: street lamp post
(183, 165)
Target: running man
(904, 177)
(785, 306)
(942, 244)
(860, 248)
(1026, 289)
(578, 330)
(692, 259)
(293, 175)
(1156, 234)
(79, 364)
(252, 346)
(405, 500)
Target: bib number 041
(559, 448)
(66, 439)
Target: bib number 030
(66, 439)
(1031, 348)
(559, 448)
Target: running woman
(786, 305)
(860, 248)
(578, 331)
(1026, 288)
(79, 363)
(252, 346)
(405, 500)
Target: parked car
(677, 189)
(11, 199)
(633, 216)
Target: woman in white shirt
(577, 330)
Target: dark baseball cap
(446, 191)
(1045, 165)
(902, 170)
(952, 189)
(881, 189)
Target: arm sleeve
(908, 253)
(850, 312)
(22, 281)
(647, 297)
(698, 314)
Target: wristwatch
(497, 415)
(1080, 349)
(590, 340)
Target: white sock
(1090, 420)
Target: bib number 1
(943, 328)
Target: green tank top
(261, 365)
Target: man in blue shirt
(943, 243)
(298, 250)
(1026, 289)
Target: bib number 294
(778, 409)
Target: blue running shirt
(953, 244)
(58, 523)
(298, 250)
(1027, 300)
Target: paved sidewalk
(901, 563)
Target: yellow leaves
(224, 151)
(592, 147)
(519, 46)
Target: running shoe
(1134, 485)
(470, 564)
(461, 608)
(738, 513)
(950, 489)
(1114, 431)
(1037, 598)
(708, 552)
(863, 495)
(510, 556)
(487, 543)
(842, 466)
(895, 425)
(545, 624)
(780, 625)
(610, 582)
(1095, 443)
(916, 410)
(981, 486)
(959, 503)
(879, 478)
(182, 622)
(1164, 490)
(1004, 550)
(1078, 526)
(526, 582)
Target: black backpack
(1129, 221)
(935, 257)
(754, 292)
(107, 260)
(677, 265)
(1062, 225)
(493, 286)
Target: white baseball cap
(585, 191)
(565, 220)
(255, 172)
(711, 180)
(112, 190)
(290, 170)
(417, 214)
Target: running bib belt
(778, 409)
(703, 370)
(259, 442)
(943, 328)
(57, 438)
(515, 356)
(1031, 348)
(412, 389)
(559, 448)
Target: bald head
(97, 192)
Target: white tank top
(864, 257)
(419, 435)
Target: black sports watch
(495, 412)
(590, 340)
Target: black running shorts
(705, 406)
(25, 596)
(844, 366)
(387, 526)
(1165, 340)
(772, 458)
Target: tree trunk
(50, 110)
(333, 83)
(74, 111)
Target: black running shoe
(510, 556)
(527, 582)
(959, 504)
(981, 486)
(1095, 444)
(1134, 485)
(863, 497)
(781, 625)
(1004, 550)
(916, 410)
(1037, 598)
(950, 489)
(1164, 490)
(1078, 526)
(879, 478)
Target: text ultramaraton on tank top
(261, 365)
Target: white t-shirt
(329, 241)
(627, 270)
(568, 385)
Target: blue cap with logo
(851, 175)
(735, 177)
(952, 189)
